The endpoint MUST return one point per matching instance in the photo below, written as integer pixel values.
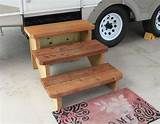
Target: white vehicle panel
(13, 3)
(10, 13)
(89, 2)
(11, 20)
(35, 6)
(87, 7)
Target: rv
(109, 16)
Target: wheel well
(131, 15)
(155, 10)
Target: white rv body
(12, 11)
(108, 30)
(41, 7)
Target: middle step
(69, 52)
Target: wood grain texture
(97, 59)
(57, 103)
(75, 81)
(44, 70)
(34, 45)
(69, 52)
(60, 28)
(59, 40)
(86, 35)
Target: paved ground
(24, 101)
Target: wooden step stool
(51, 44)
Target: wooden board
(149, 36)
(69, 52)
(75, 81)
(60, 39)
(44, 70)
(53, 29)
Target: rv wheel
(153, 25)
(111, 26)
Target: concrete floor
(24, 101)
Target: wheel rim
(111, 26)
(158, 21)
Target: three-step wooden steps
(60, 85)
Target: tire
(153, 25)
(111, 26)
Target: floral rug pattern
(121, 107)
(73, 114)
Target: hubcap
(111, 26)
(158, 21)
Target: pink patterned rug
(121, 107)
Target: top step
(60, 28)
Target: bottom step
(76, 81)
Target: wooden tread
(69, 52)
(53, 29)
(75, 81)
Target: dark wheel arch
(150, 26)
